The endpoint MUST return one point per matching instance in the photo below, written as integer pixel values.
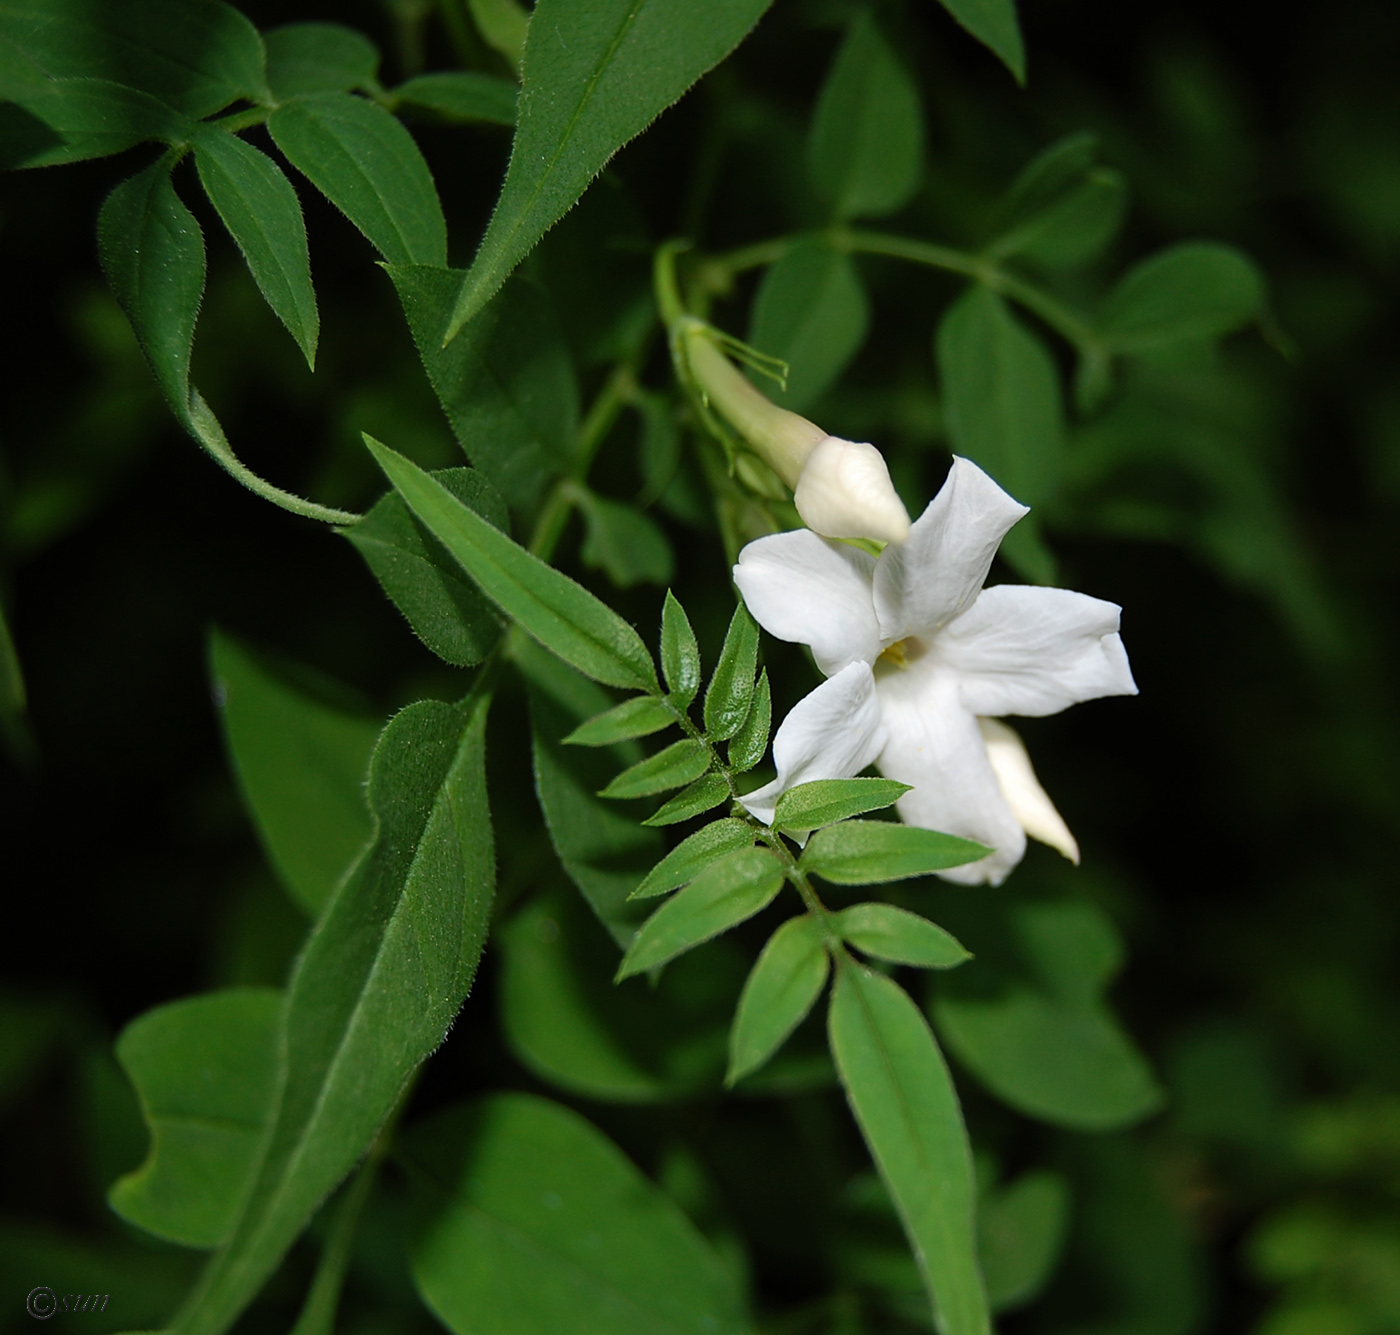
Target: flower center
(899, 655)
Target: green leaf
(680, 655)
(503, 25)
(530, 1220)
(784, 985)
(866, 148)
(318, 58)
(995, 25)
(563, 616)
(1021, 1232)
(443, 606)
(1049, 176)
(639, 717)
(358, 156)
(812, 312)
(731, 687)
(625, 543)
(153, 255)
(301, 765)
(507, 384)
(679, 764)
(1197, 289)
(70, 120)
(707, 791)
(727, 892)
(205, 1070)
(195, 55)
(693, 854)
(1062, 209)
(582, 97)
(863, 852)
(751, 741)
(375, 990)
(462, 96)
(260, 209)
(885, 932)
(809, 806)
(903, 1098)
(13, 697)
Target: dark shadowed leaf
(1021, 1231)
(70, 120)
(318, 58)
(462, 95)
(995, 25)
(625, 543)
(785, 983)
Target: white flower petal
(845, 492)
(936, 746)
(938, 571)
(833, 733)
(803, 588)
(1026, 650)
(1029, 802)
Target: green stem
(317, 1315)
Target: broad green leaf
(995, 25)
(593, 78)
(748, 745)
(462, 95)
(205, 1070)
(153, 255)
(507, 385)
(318, 58)
(1049, 176)
(260, 210)
(70, 120)
(563, 616)
(866, 146)
(679, 764)
(885, 932)
(727, 892)
(195, 55)
(786, 981)
(530, 1220)
(443, 605)
(693, 854)
(639, 717)
(731, 686)
(680, 655)
(863, 852)
(903, 1098)
(624, 542)
(810, 806)
(706, 792)
(1193, 290)
(812, 312)
(301, 765)
(358, 156)
(1080, 225)
(1021, 1231)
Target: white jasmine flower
(936, 657)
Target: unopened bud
(845, 491)
(1028, 801)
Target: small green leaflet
(748, 745)
(206, 1072)
(863, 852)
(594, 76)
(630, 546)
(639, 717)
(1021, 1231)
(70, 120)
(731, 687)
(692, 855)
(810, 806)
(561, 615)
(318, 58)
(727, 892)
(783, 986)
(706, 792)
(885, 932)
(679, 764)
(903, 1098)
(462, 96)
(680, 655)
(995, 25)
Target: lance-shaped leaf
(594, 77)
(679, 764)
(903, 1097)
(748, 745)
(630, 546)
(786, 981)
(731, 688)
(707, 791)
(639, 717)
(727, 892)
(692, 855)
(318, 58)
(358, 156)
(301, 765)
(562, 615)
(375, 989)
(69, 120)
(810, 806)
(205, 1070)
(462, 96)
(260, 209)
(680, 655)
(885, 932)
(995, 25)
(863, 852)
(529, 1219)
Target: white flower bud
(845, 491)
(1021, 789)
